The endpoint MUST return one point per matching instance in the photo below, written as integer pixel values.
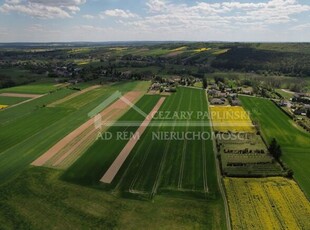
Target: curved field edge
(294, 142)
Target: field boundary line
(219, 176)
(204, 157)
(163, 159)
(133, 182)
(147, 153)
(23, 102)
(49, 154)
(69, 97)
(21, 95)
(181, 172)
(79, 144)
(118, 162)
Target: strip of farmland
(267, 203)
(117, 164)
(74, 95)
(90, 167)
(5, 100)
(294, 141)
(20, 95)
(29, 130)
(75, 141)
(172, 165)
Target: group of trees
(251, 59)
(11, 81)
(204, 83)
(276, 152)
(275, 149)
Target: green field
(155, 166)
(38, 200)
(24, 138)
(295, 142)
(40, 88)
(28, 108)
(31, 194)
(94, 163)
(14, 72)
(82, 100)
(286, 95)
(172, 166)
(11, 100)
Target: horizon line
(147, 41)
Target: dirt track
(118, 162)
(74, 95)
(116, 109)
(20, 95)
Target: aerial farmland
(144, 136)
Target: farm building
(214, 92)
(156, 86)
(236, 102)
(217, 101)
(247, 92)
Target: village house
(217, 101)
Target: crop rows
(294, 141)
(273, 203)
(91, 166)
(171, 165)
(30, 129)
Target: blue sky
(132, 20)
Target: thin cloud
(43, 9)
(88, 16)
(118, 13)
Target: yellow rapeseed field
(202, 49)
(3, 106)
(179, 49)
(267, 203)
(220, 51)
(231, 118)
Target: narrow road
(219, 176)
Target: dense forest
(251, 59)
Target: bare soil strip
(21, 95)
(73, 95)
(173, 54)
(118, 162)
(62, 84)
(119, 107)
(87, 136)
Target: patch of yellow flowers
(267, 203)
(3, 106)
(179, 49)
(231, 118)
(202, 50)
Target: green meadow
(294, 142)
(11, 100)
